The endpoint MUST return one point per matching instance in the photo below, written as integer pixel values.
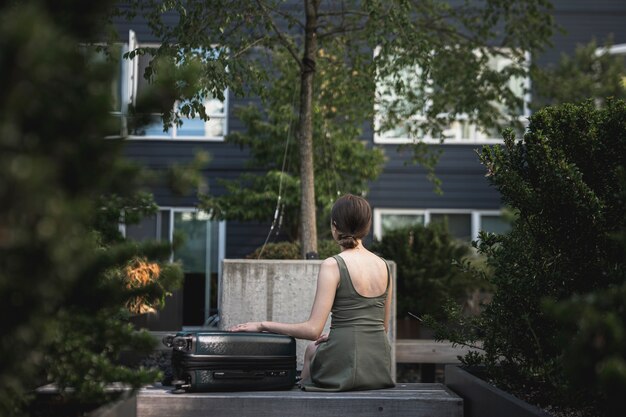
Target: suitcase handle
(238, 375)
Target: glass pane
(214, 106)
(196, 127)
(199, 256)
(146, 229)
(398, 221)
(494, 224)
(142, 63)
(516, 84)
(191, 127)
(111, 55)
(116, 84)
(153, 127)
(201, 238)
(215, 127)
(163, 227)
(459, 224)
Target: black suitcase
(229, 361)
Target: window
(462, 224)
(459, 224)
(132, 85)
(458, 131)
(113, 56)
(493, 223)
(397, 219)
(201, 254)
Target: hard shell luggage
(229, 361)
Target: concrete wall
(276, 290)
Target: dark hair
(352, 217)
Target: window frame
(475, 217)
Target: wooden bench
(405, 400)
(428, 351)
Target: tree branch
(250, 45)
(340, 30)
(280, 35)
(285, 15)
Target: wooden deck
(405, 400)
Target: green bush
(562, 178)
(593, 334)
(291, 250)
(428, 263)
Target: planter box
(482, 399)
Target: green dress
(357, 355)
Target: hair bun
(347, 241)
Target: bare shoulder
(329, 264)
(329, 268)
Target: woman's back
(367, 271)
(355, 287)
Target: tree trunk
(308, 230)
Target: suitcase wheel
(180, 386)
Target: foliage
(342, 163)
(63, 187)
(445, 46)
(450, 43)
(428, 272)
(593, 335)
(595, 76)
(291, 250)
(562, 178)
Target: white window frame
(475, 136)
(130, 83)
(617, 49)
(475, 217)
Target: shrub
(428, 272)
(562, 178)
(593, 333)
(291, 250)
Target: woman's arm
(327, 281)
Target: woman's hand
(321, 339)
(253, 326)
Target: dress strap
(343, 271)
(388, 274)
